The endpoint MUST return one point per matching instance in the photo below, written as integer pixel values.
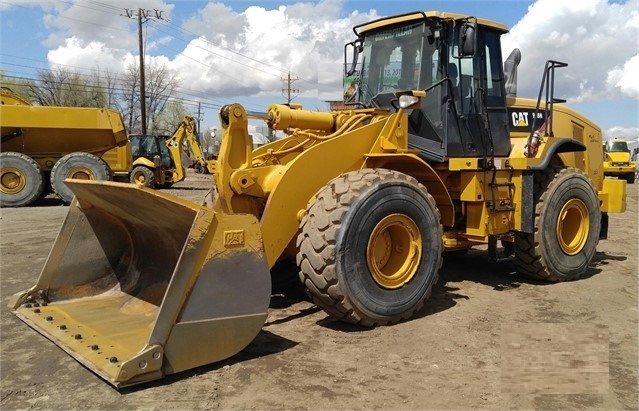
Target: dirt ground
(487, 339)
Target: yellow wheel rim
(140, 179)
(12, 180)
(573, 226)
(80, 173)
(394, 251)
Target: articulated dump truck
(44, 145)
(437, 155)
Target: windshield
(396, 58)
(616, 146)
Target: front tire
(21, 180)
(566, 227)
(370, 247)
(79, 166)
(143, 176)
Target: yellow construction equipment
(158, 160)
(365, 200)
(44, 145)
(618, 162)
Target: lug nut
(27, 305)
(48, 318)
(113, 359)
(37, 311)
(63, 327)
(78, 336)
(94, 347)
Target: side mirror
(467, 38)
(357, 48)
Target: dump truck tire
(631, 178)
(143, 176)
(370, 247)
(566, 227)
(21, 180)
(80, 166)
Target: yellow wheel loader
(157, 161)
(365, 200)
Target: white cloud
(248, 53)
(628, 133)
(79, 54)
(597, 39)
(235, 54)
(626, 78)
(239, 53)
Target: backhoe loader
(365, 200)
(157, 161)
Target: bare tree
(111, 85)
(130, 98)
(169, 119)
(63, 87)
(18, 86)
(160, 86)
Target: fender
(558, 145)
(412, 165)
(142, 161)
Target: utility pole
(291, 93)
(199, 118)
(142, 82)
(141, 15)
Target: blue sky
(240, 50)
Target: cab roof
(418, 15)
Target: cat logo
(524, 118)
(521, 120)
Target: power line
(194, 103)
(178, 33)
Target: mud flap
(140, 284)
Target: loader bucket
(140, 284)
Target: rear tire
(370, 247)
(566, 227)
(79, 166)
(21, 180)
(631, 178)
(143, 176)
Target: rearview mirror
(467, 39)
(356, 47)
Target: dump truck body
(367, 201)
(36, 138)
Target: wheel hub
(12, 180)
(80, 173)
(573, 226)
(140, 179)
(394, 251)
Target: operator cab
(458, 65)
(148, 146)
(616, 146)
